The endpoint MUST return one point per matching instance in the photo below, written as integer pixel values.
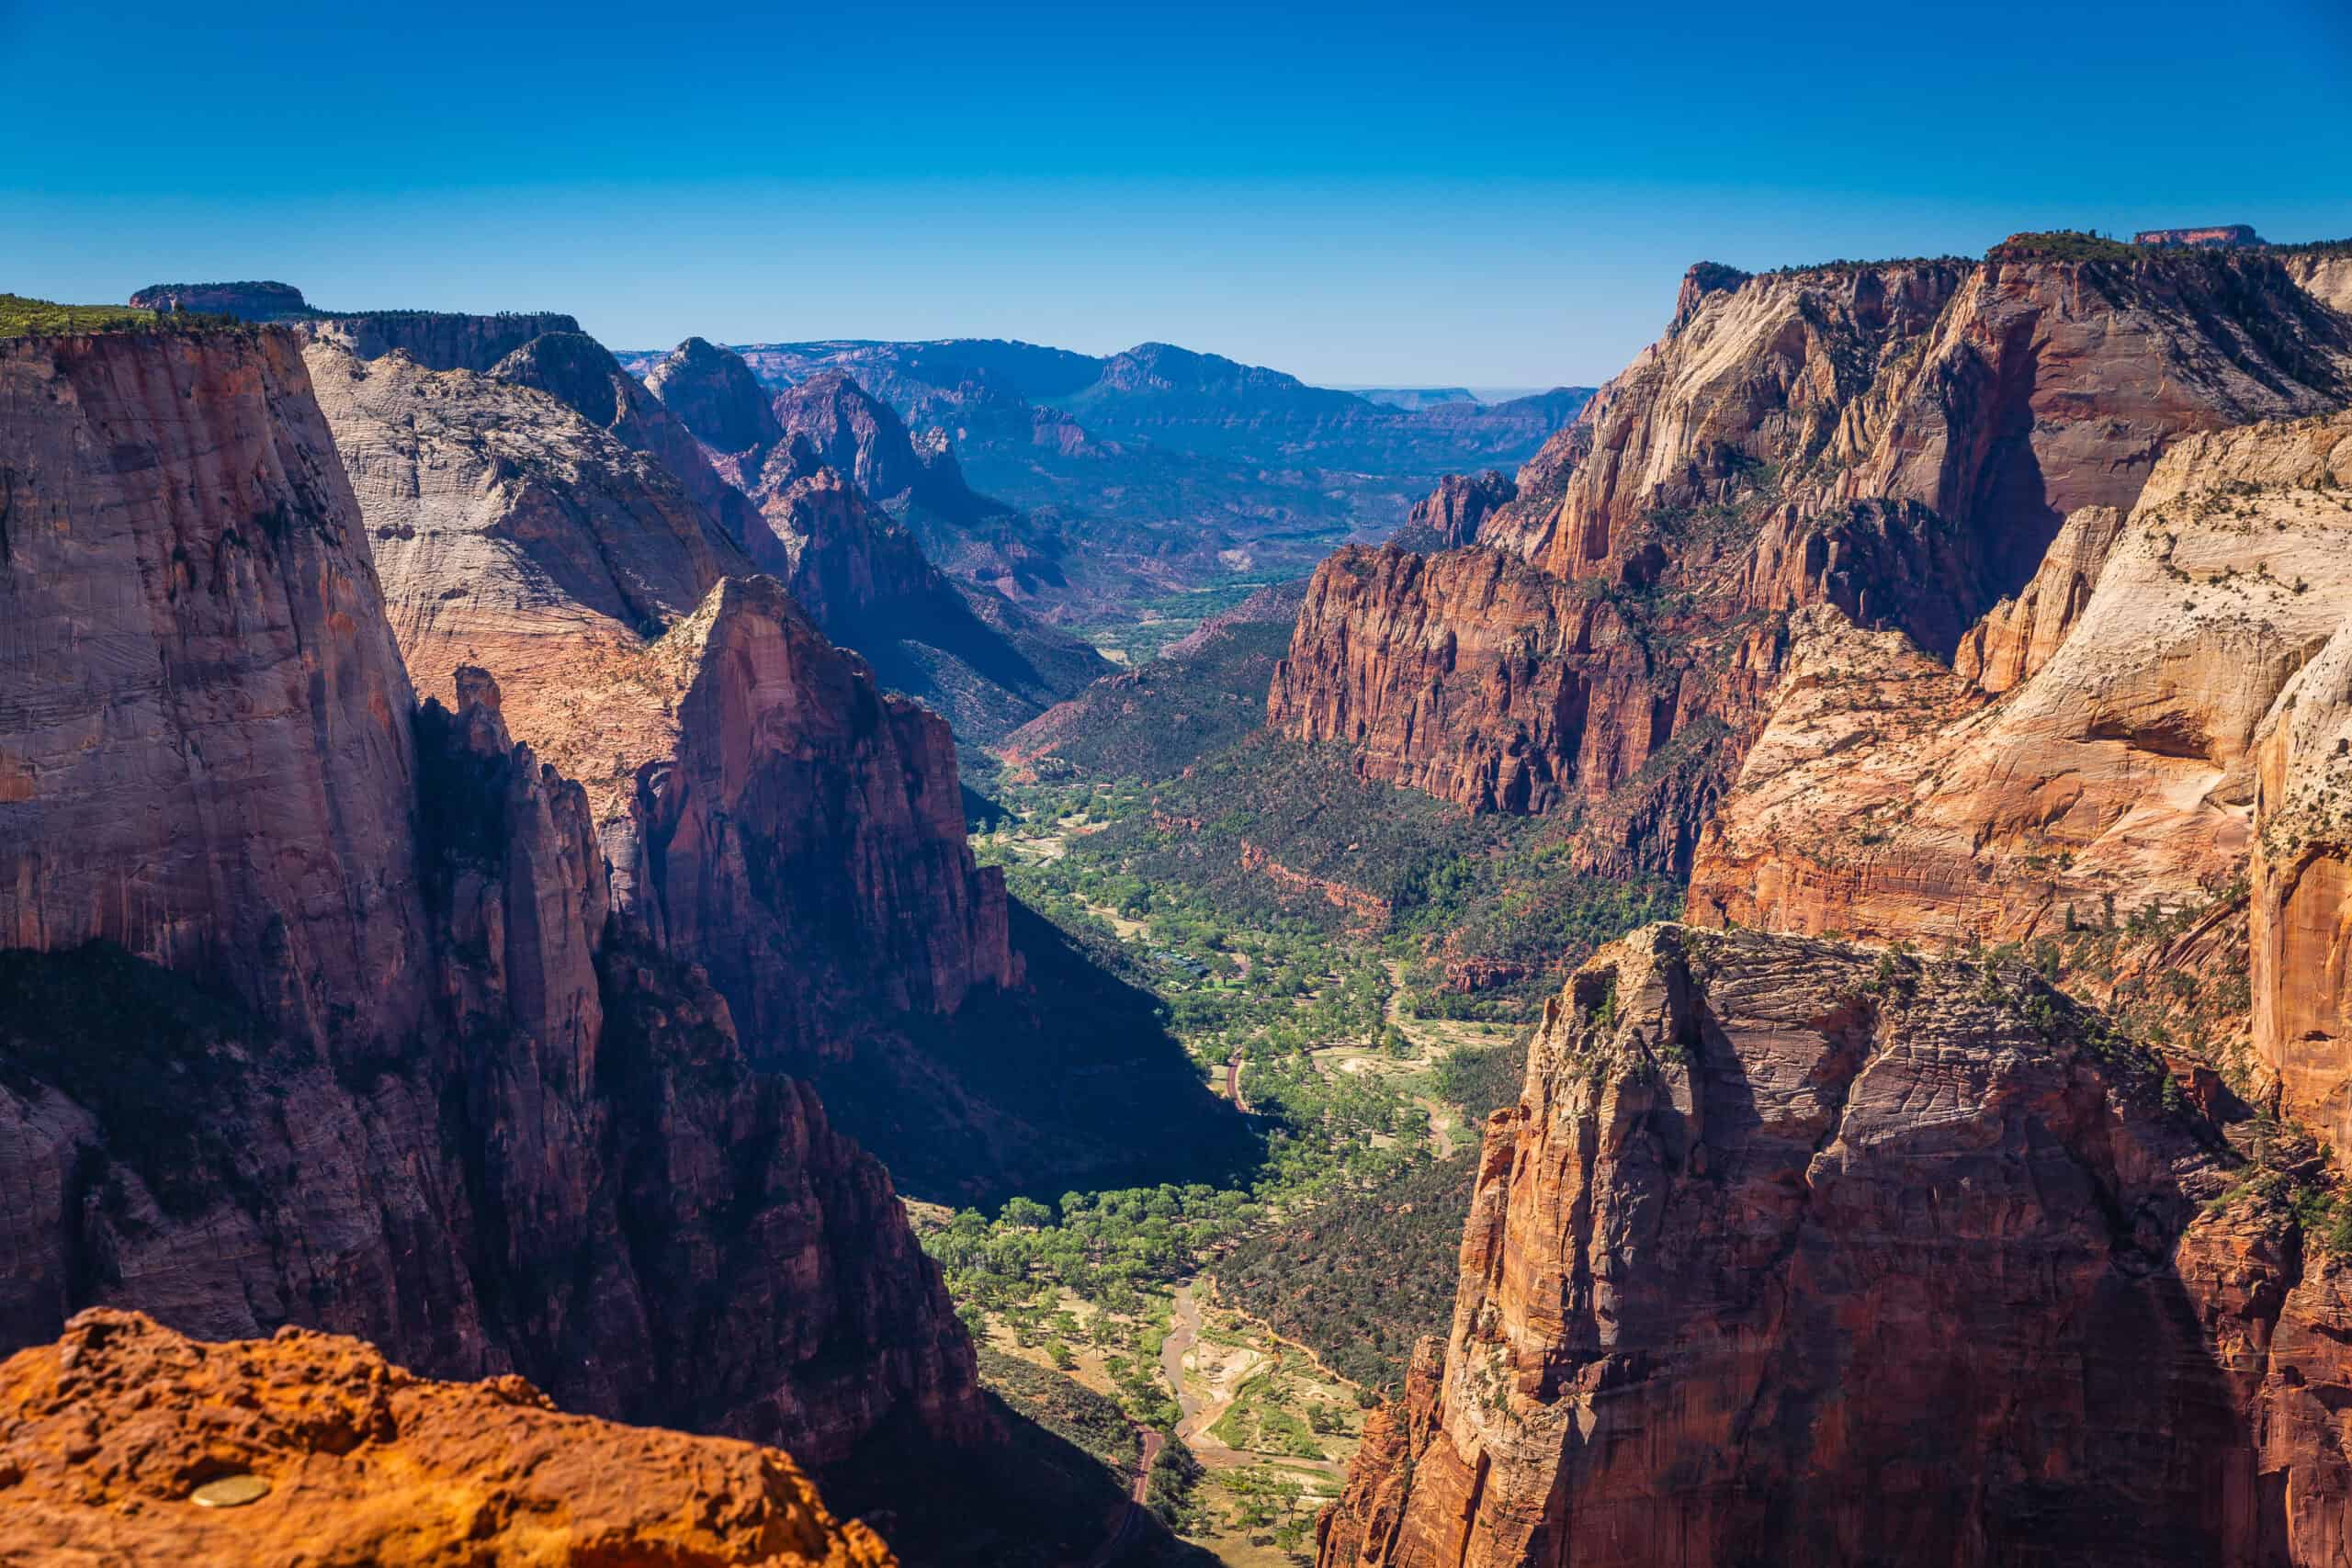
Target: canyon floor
(1110, 1315)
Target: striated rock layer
(965, 651)
(1903, 441)
(324, 1020)
(1793, 1253)
(743, 773)
(112, 1428)
(437, 340)
(2104, 755)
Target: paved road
(1131, 1518)
(1233, 1083)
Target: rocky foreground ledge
(126, 1443)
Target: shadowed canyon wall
(324, 1020)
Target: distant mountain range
(1161, 469)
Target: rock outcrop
(1792, 1252)
(715, 395)
(196, 663)
(1449, 516)
(578, 371)
(2019, 635)
(121, 1432)
(790, 785)
(324, 1020)
(247, 301)
(510, 533)
(2116, 767)
(2213, 237)
(1472, 677)
(2301, 893)
(437, 340)
(2322, 271)
(1901, 441)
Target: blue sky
(1488, 194)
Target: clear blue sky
(1481, 193)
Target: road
(1233, 1083)
(1133, 1516)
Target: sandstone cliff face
(2324, 273)
(715, 396)
(248, 301)
(376, 1059)
(1757, 375)
(204, 737)
(1899, 441)
(1793, 1253)
(1466, 675)
(1450, 515)
(2052, 386)
(577, 370)
(2017, 635)
(1889, 797)
(793, 785)
(2301, 898)
(437, 340)
(113, 1428)
(511, 533)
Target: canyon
(1158, 470)
(395, 1060)
(2097, 1342)
(1901, 441)
(2028, 671)
(492, 869)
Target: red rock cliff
(1901, 441)
(1794, 1253)
(323, 1021)
(770, 814)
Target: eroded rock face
(578, 371)
(1792, 1252)
(1483, 681)
(1449, 516)
(2017, 635)
(1754, 373)
(512, 533)
(1901, 441)
(793, 786)
(437, 340)
(715, 396)
(2323, 272)
(2301, 895)
(1453, 674)
(371, 1056)
(1889, 797)
(204, 755)
(113, 1428)
(248, 301)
